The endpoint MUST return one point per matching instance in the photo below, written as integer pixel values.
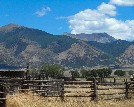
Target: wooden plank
(2, 98)
(118, 88)
(132, 82)
(75, 91)
(24, 90)
(92, 91)
(113, 98)
(49, 96)
(131, 87)
(2, 78)
(32, 85)
(43, 81)
(76, 96)
(131, 92)
(103, 88)
(78, 86)
(78, 82)
(111, 93)
(121, 83)
(110, 88)
(43, 91)
(40, 90)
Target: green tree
(130, 72)
(74, 74)
(119, 73)
(103, 73)
(33, 72)
(93, 73)
(107, 72)
(53, 71)
(85, 73)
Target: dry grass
(108, 89)
(29, 100)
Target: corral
(90, 90)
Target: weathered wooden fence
(92, 89)
(60, 88)
(8, 86)
(2, 95)
(43, 87)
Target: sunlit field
(35, 100)
(30, 100)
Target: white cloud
(101, 20)
(107, 9)
(43, 11)
(123, 2)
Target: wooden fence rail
(2, 95)
(60, 88)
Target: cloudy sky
(115, 17)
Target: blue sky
(114, 17)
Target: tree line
(57, 71)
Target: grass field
(30, 100)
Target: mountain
(127, 58)
(115, 48)
(20, 44)
(98, 37)
(82, 54)
(122, 51)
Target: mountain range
(98, 37)
(20, 45)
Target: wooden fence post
(126, 89)
(27, 72)
(40, 83)
(25, 84)
(62, 90)
(95, 93)
(114, 80)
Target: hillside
(127, 58)
(19, 45)
(82, 54)
(97, 37)
(115, 48)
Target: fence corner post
(126, 89)
(95, 94)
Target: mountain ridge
(19, 45)
(98, 37)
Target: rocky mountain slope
(19, 45)
(81, 54)
(115, 48)
(127, 58)
(98, 37)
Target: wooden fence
(60, 88)
(2, 95)
(92, 89)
